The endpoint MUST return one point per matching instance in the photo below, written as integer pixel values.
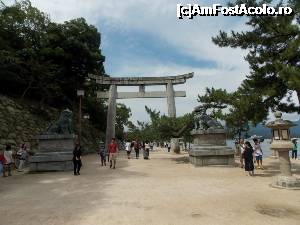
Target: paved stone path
(165, 190)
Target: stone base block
(56, 143)
(212, 156)
(52, 161)
(286, 182)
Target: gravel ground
(164, 190)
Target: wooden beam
(136, 81)
(152, 94)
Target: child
(295, 148)
(102, 154)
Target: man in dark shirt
(77, 159)
(113, 150)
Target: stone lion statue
(202, 121)
(64, 124)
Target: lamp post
(282, 144)
(80, 94)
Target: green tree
(162, 128)
(236, 109)
(43, 60)
(122, 120)
(274, 58)
(47, 62)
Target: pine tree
(273, 43)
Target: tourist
(102, 153)
(136, 147)
(113, 151)
(236, 144)
(128, 149)
(2, 161)
(295, 148)
(77, 159)
(169, 146)
(146, 150)
(9, 161)
(242, 149)
(151, 145)
(258, 154)
(248, 157)
(22, 155)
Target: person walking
(146, 150)
(77, 159)
(2, 162)
(242, 149)
(9, 161)
(248, 157)
(22, 155)
(128, 149)
(151, 144)
(258, 154)
(136, 147)
(169, 146)
(102, 153)
(295, 148)
(113, 151)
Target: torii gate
(112, 95)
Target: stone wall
(22, 121)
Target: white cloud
(219, 78)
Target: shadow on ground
(182, 160)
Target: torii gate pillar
(171, 100)
(111, 115)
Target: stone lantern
(282, 144)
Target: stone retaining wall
(22, 121)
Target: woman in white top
(242, 149)
(258, 154)
(146, 150)
(128, 149)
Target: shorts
(258, 157)
(112, 156)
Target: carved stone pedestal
(55, 153)
(285, 180)
(210, 148)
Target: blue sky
(145, 38)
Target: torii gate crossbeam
(112, 95)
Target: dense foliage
(44, 60)
(47, 62)
(161, 127)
